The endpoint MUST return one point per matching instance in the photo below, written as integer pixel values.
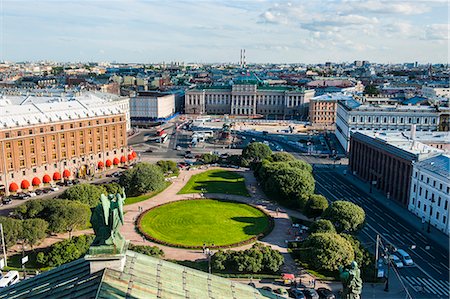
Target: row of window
(434, 183)
(62, 127)
(395, 120)
(436, 215)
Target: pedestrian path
(434, 287)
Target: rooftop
(33, 109)
(333, 97)
(439, 165)
(142, 277)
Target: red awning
(287, 276)
(130, 157)
(13, 187)
(123, 159)
(25, 184)
(66, 173)
(108, 163)
(134, 154)
(36, 181)
(116, 161)
(56, 176)
(46, 179)
(100, 165)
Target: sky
(304, 31)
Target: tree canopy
(281, 157)
(327, 251)
(256, 152)
(322, 226)
(315, 206)
(209, 158)
(12, 230)
(85, 193)
(346, 216)
(142, 178)
(33, 231)
(258, 258)
(168, 167)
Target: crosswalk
(439, 288)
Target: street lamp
(371, 185)
(208, 253)
(431, 214)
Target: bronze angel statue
(106, 220)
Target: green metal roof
(143, 277)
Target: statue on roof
(351, 281)
(106, 220)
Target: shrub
(147, 250)
(259, 258)
(255, 152)
(209, 158)
(112, 188)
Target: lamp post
(208, 253)
(372, 183)
(431, 214)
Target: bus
(163, 138)
(9, 279)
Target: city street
(430, 271)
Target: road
(431, 265)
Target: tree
(219, 260)
(65, 251)
(85, 193)
(256, 152)
(345, 216)
(327, 251)
(33, 231)
(315, 206)
(322, 226)
(209, 158)
(142, 178)
(371, 90)
(168, 167)
(112, 188)
(281, 157)
(62, 215)
(12, 230)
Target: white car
(396, 261)
(404, 256)
(54, 188)
(32, 194)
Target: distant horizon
(385, 31)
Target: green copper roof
(143, 277)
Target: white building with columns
(430, 192)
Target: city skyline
(208, 31)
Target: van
(406, 259)
(9, 279)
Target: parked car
(6, 200)
(47, 190)
(296, 293)
(310, 294)
(21, 196)
(76, 181)
(281, 291)
(39, 192)
(325, 293)
(54, 188)
(396, 261)
(32, 194)
(404, 256)
(68, 183)
(10, 278)
(252, 284)
(62, 184)
(266, 288)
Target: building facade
(351, 116)
(386, 161)
(249, 98)
(430, 191)
(150, 106)
(322, 109)
(43, 140)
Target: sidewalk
(435, 235)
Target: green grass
(192, 223)
(135, 199)
(216, 181)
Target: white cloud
(385, 7)
(437, 32)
